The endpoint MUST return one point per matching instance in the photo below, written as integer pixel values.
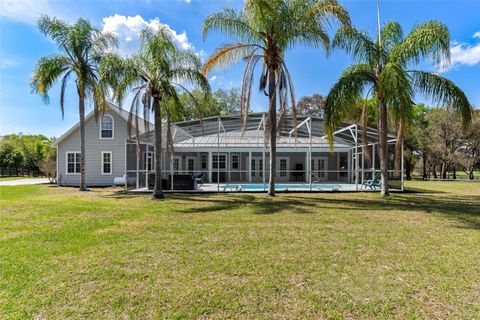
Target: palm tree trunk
(157, 189)
(81, 110)
(367, 156)
(383, 146)
(272, 117)
(399, 143)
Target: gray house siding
(94, 146)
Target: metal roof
(228, 131)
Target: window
(235, 162)
(204, 162)
(191, 164)
(343, 164)
(283, 167)
(176, 164)
(148, 160)
(107, 162)
(73, 162)
(222, 164)
(106, 127)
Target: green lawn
(103, 254)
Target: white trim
(180, 167)
(75, 163)
(111, 163)
(231, 161)
(316, 170)
(194, 164)
(101, 128)
(287, 173)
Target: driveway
(24, 181)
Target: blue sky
(21, 44)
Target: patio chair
(374, 183)
(198, 177)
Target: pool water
(281, 187)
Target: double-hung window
(106, 127)
(73, 162)
(219, 161)
(235, 162)
(106, 162)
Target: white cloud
(128, 28)
(463, 54)
(212, 78)
(28, 11)
(6, 63)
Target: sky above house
(21, 45)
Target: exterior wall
(242, 175)
(93, 153)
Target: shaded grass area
(105, 254)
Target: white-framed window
(72, 159)
(106, 162)
(191, 167)
(282, 167)
(148, 160)
(219, 161)
(235, 161)
(204, 162)
(106, 127)
(177, 164)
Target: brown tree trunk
(157, 189)
(272, 118)
(383, 146)
(435, 172)
(424, 159)
(398, 144)
(81, 109)
(367, 156)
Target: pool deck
(233, 187)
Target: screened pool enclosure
(220, 155)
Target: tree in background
(82, 47)
(382, 70)
(154, 74)
(470, 150)
(263, 31)
(311, 105)
(221, 103)
(23, 152)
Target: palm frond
(443, 91)
(228, 55)
(430, 40)
(47, 71)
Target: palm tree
(82, 47)
(154, 75)
(383, 68)
(263, 32)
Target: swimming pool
(282, 187)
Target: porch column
(307, 169)
(263, 168)
(349, 166)
(209, 161)
(171, 171)
(137, 155)
(249, 166)
(373, 161)
(229, 167)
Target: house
(224, 154)
(105, 149)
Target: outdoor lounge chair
(373, 184)
(198, 177)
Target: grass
(104, 254)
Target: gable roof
(121, 112)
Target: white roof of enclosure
(228, 131)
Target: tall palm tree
(154, 75)
(81, 47)
(262, 33)
(384, 68)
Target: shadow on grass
(464, 210)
